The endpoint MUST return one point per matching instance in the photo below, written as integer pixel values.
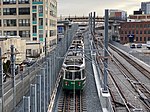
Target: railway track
(140, 88)
(141, 69)
(72, 102)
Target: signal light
(79, 83)
(66, 83)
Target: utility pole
(94, 23)
(106, 53)
(91, 22)
(12, 59)
(1, 82)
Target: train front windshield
(73, 75)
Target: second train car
(74, 77)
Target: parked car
(132, 45)
(139, 45)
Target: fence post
(33, 98)
(26, 104)
(43, 90)
(38, 83)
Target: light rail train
(74, 77)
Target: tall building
(145, 7)
(32, 20)
(118, 14)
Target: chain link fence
(35, 85)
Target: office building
(139, 32)
(32, 20)
(145, 7)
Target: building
(139, 17)
(137, 12)
(117, 14)
(145, 7)
(19, 44)
(32, 20)
(137, 32)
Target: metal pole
(38, 83)
(26, 104)
(33, 98)
(1, 82)
(46, 85)
(43, 90)
(106, 52)
(12, 59)
(91, 22)
(94, 23)
(45, 47)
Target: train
(73, 67)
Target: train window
(77, 75)
(68, 75)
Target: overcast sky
(83, 7)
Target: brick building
(138, 31)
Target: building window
(148, 38)
(145, 31)
(132, 31)
(137, 32)
(125, 38)
(40, 35)
(8, 2)
(52, 33)
(145, 25)
(10, 33)
(148, 31)
(34, 38)
(140, 38)
(0, 23)
(141, 26)
(25, 33)
(40, 9)
(28, 51)
(34, 17)
(136, 38)
(9, 11)
(23, 1)
(24, 11)
(34, 7)
(125, 32)
(24, 22)
(141, 32)
(145, 39)
(40, 21)
(34, 29)
(137, 26)
(129, 32)
(9, 22)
